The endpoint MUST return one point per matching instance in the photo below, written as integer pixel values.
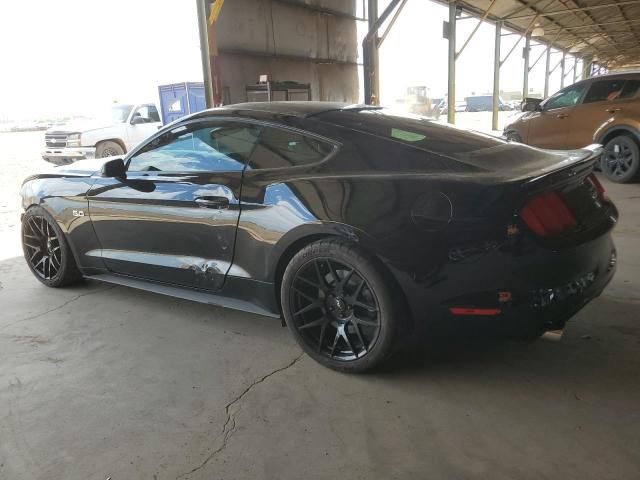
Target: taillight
(599, 188)
(548, 215)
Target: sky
(71, 57)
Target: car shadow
(598, 350)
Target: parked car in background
(604, 109)
(461, 106)
(357, 225)
(124, 128)
(484, 103)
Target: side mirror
(137, 120)
(531, 105)
(114, 169)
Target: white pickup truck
(127, 126)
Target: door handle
(213, 202)
(562, 115)
(613, 109)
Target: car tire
(109, 149)
(620, 161)
(47, 251)
(513, 137)
(338, 306)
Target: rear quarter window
(281, 148)
(413, 130)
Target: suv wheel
(513, 137)
(621, 159)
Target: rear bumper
(519, 290)
(65, 156)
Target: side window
(604, 91)
(283, 148)
(630, 89)
(216, 148)
(565, 98)
(148, 113)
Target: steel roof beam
(577, 9)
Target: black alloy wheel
(42, 247)
(46, 250)
(338, 307)
(621, 159)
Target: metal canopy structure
(606, 30)
(603, 34)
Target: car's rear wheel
(338, 307)
(109, 149)
(46, 250)
(621, 159)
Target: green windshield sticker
(406, 136)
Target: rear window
(604, 91)
(419, 132)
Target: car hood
(81, 168)
(79, 127)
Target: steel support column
(372, 16)
(203, 30)
(525, 55)
(370, 65)
(496, 76)
(451, 63)
(547, 74)
(562, 68)
(586, 67)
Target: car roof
(614, 76)
(296, 109)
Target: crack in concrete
(229, 427)
(71, 300)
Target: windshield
(120, 113)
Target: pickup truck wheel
(621, 159)
(108, 149)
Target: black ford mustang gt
(355, 224)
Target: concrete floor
(100, 381)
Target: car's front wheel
(338, 306)
(621, 159)
(109, 149)
(46, 250)
(512, 136)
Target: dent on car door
(601, 102)
(173, 218)
(550, 129)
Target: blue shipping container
(180, 99)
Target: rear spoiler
(576, 162)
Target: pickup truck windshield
(120, 113)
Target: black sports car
(356, 225)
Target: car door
(549, 128)
(601, 102)
(173, 219)
(144, 122)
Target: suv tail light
(548, 215)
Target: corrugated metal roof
(606, 29)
